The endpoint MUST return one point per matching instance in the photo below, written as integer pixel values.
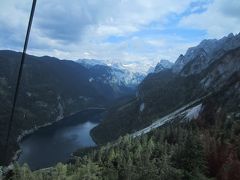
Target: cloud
(71, 21)
(221, 18)
(13, 22)
(119, 30)
(64, 21)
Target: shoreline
(32, 130)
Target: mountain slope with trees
(206, 147)
(161, 93)
(50, 90)
(198, 143)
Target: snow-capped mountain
(151, 69)
(133, 66)
(163, 64)
(114, 74)
(204, 54)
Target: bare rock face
(200, 57)
(222, 70)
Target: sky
(125, 31)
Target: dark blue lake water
(52, 144)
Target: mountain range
(181, 122)
(114, 74)
(204, 69)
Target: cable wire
(19, 77)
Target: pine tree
(192, 156)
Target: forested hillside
(203, 148)
(50, 90)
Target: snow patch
(91, 79)
(193, 113)
(142, 106)
(1, 172)
(60, 112)
(29, 94)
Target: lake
(55, 143)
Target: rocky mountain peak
(204, 54)
(163, 64)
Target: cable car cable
(19, 76)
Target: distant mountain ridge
(114, 74)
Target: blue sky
(126, 31)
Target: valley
(120, 90)
(181, 121)
(51, 89)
